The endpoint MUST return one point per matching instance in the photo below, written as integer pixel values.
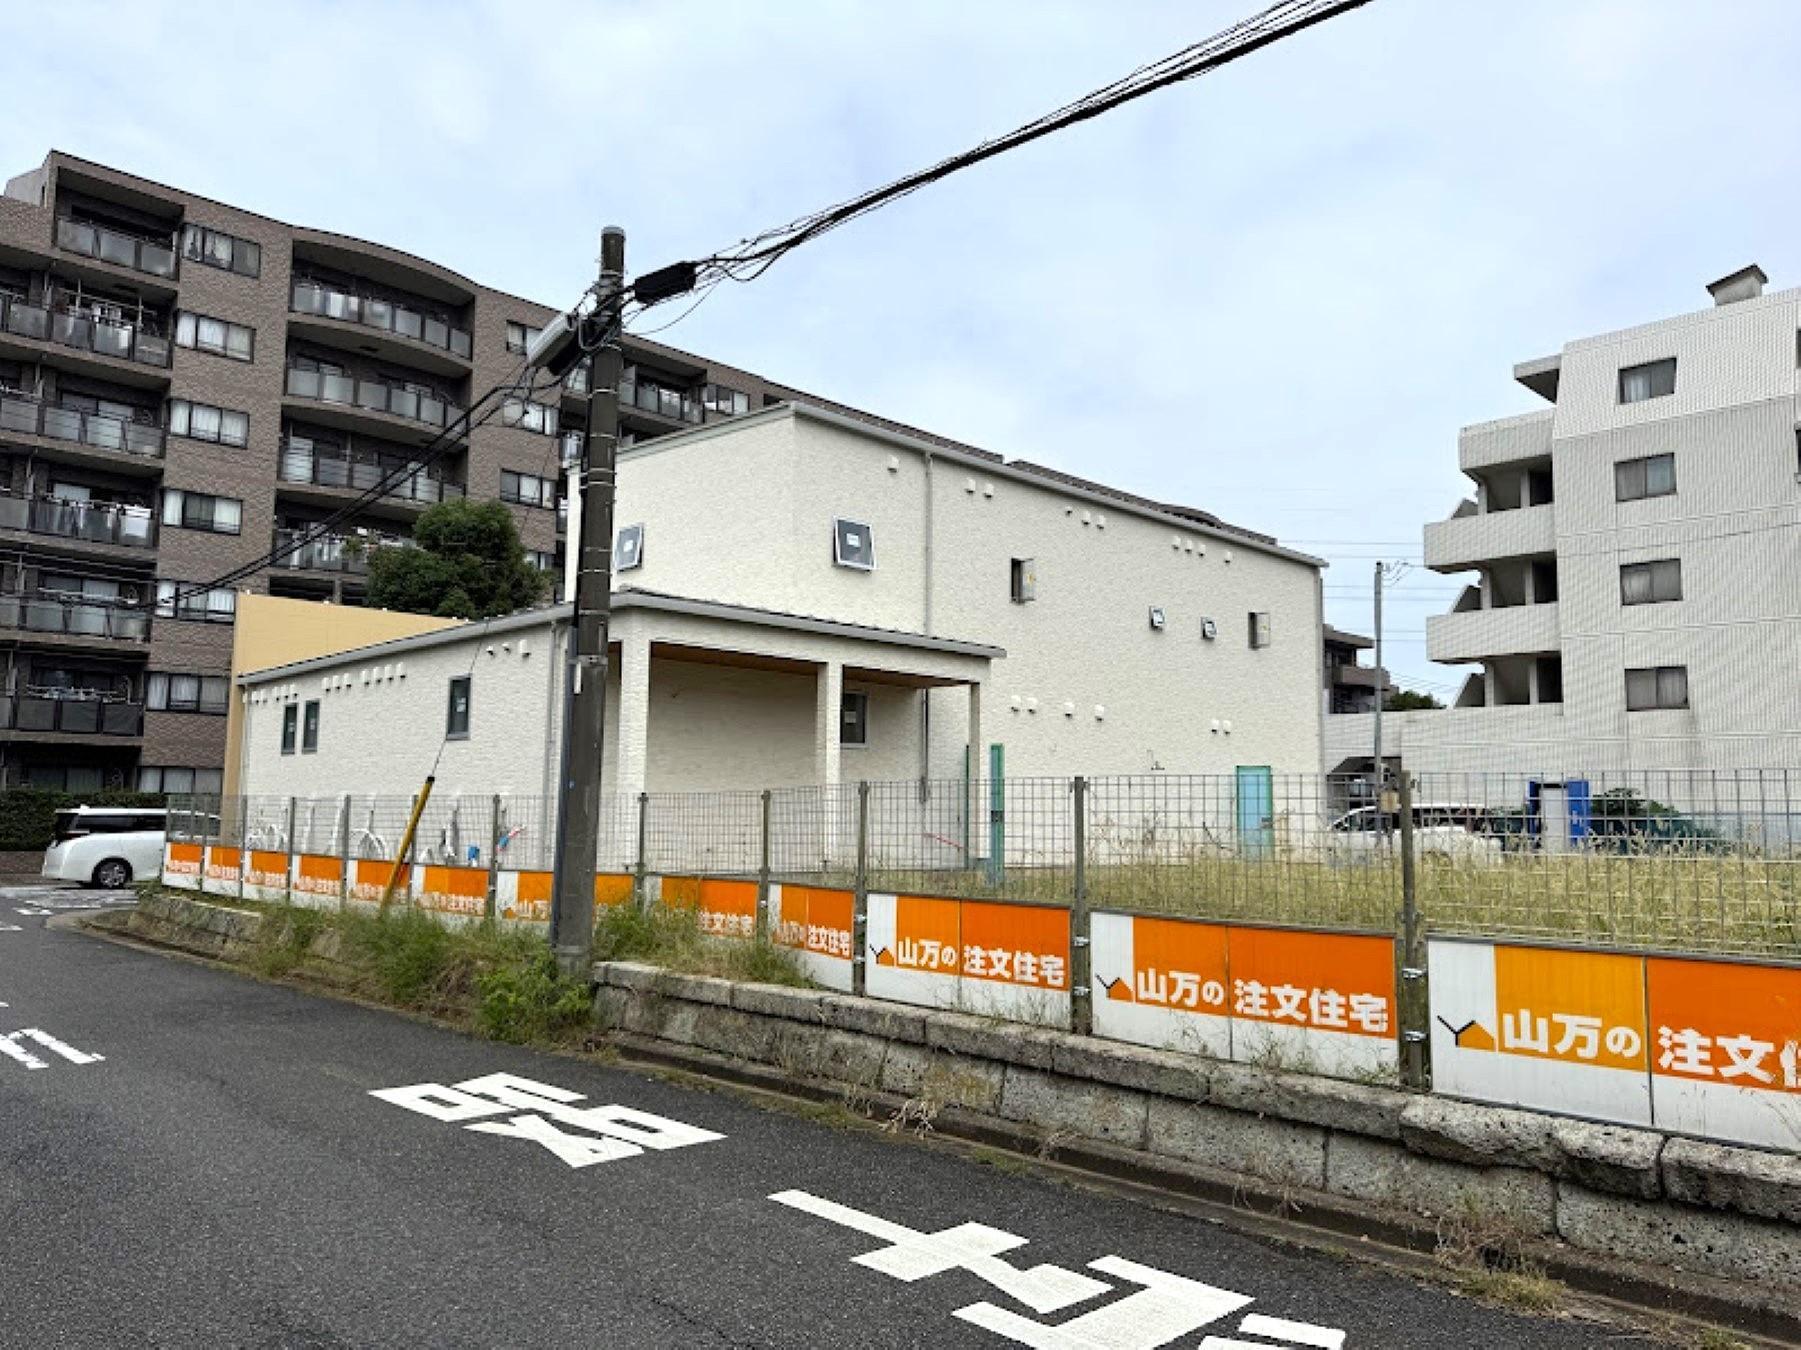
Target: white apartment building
(803, 598)
(1636, 550)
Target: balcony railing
(332, 552)
(373, 395)
(29, 417)
(82, 618)
(76, 716)
(84, 332)
(154, 256)
(94, 522)
(665, 402)
(304, 463)
(311, 297)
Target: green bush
(28, 815)
(530, 1001)
(672, 938)
(411, 955)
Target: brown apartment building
(182, 385)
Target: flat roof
(626, 600)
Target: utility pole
(1380, 777)
(585, 699)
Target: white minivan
(106, 846)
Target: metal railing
(153, 256)
(372, 395)
(94, 522)
(312, 297)
(675, 404)
(84, 332)
(76, 618)
(332, 552)
(31, 417)
(71, 716)
(363, 471)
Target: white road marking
(10, 1047)
(33, 911)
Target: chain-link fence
(1704, 862)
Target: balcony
(345, 553)
(28, 417)
(1464, 542)
(89, 522)
(154, 257)
(304, 461)
(1479, 634)
(29, 713)
(46, 613)
(1509, 441)
(678, 405)
(83, 332)
(384, 316)
(372, 396)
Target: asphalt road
(222, 1176)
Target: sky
(1275, 292)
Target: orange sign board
(1578, 1007)
(817, 919)
(727, 908)
(454, 890)
(1176, 964)
(369, 879)
(1322, 981)
(927, 935)
(183, 859)
(680, 892)
(267, 868)
(222, 863)
(1718, 1022)
(316, 874)
(1015, 944)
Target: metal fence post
(640, 884)
(243, 844)
(491, 908)
(1081, 955)
(997, 815)
(344, 855)
(206, 848)
(762, 932)
(288, 844)
(1413, 1005)
(859, 924)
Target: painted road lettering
(1160, 1308)
(598, 1134)
(13, 1047)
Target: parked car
(1446, 831)
(106, 846)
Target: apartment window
(216, 248)
(520, 336)
(180, 782)
(1654, 379)
(853, 545)
(1259, 628)
(180, 600)
(217, 336)
(528, 489)
(456, 719)
(519, 412)
(628, 549)
(1651, 476)
(1024, 580)
(309, 727)
(290, 728)
(544, 562)
(853, 718)
(1651, 583)
(722, 398)
(167, 691)
(201, 511)
(1656, 687)
(203, 422)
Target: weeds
(672, 938)
(531, 1001)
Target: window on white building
(853, 545)
(1650, 687)
(309, 728)
(1651, 583)
(1653, 379)
(853, 719)
(456, 719)
(1259, 628)
(290, 728)
(1649, 476)
(1024, 580)
(628, 549)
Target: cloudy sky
(1275, 292)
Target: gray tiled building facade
(182, 381)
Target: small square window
(853, 545)
(456, 721)
(853, 720)
(1158, 618)
(1024, 580)
(290, 725)
(628, 549)
(309, 734)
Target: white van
(106, 846)
(1442, 831)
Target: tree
(468, 564)
(1407, 700)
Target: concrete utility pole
(585, 701)
(1380, 777)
